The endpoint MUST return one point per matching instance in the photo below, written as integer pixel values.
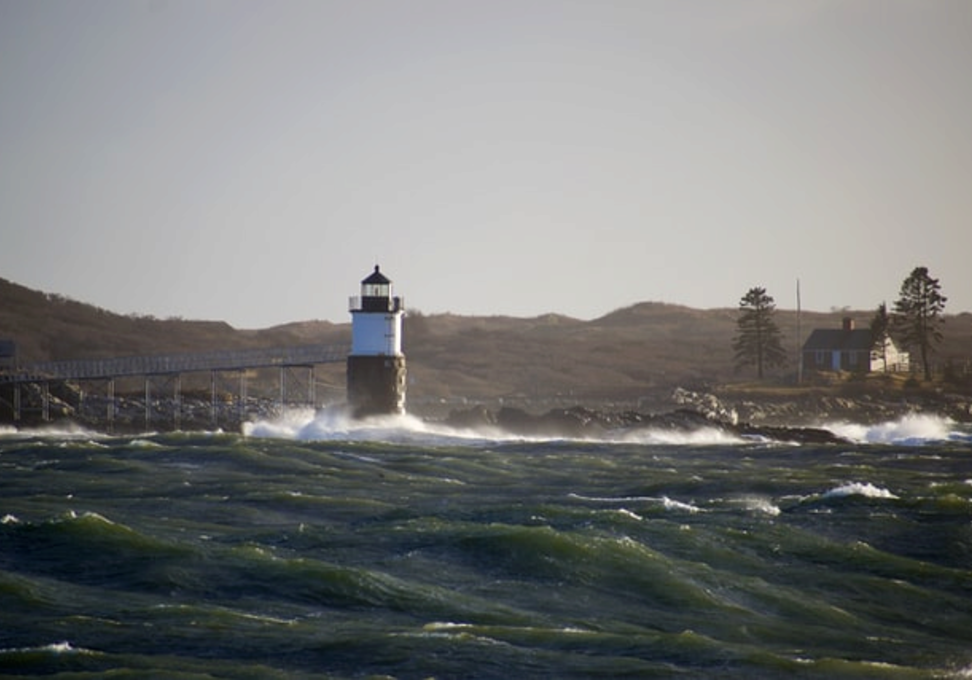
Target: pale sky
(251, 161)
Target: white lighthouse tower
(376, 365)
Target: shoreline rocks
(580, 421)
(800, 416)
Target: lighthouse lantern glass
(382, 290)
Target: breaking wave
(867, 490)
(337, 425)
(911, 430)
(60, 431)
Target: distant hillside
(623, 355)
(49, 327)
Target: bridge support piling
(212, 400)
(111, 405)
(293, 391)
(311, 387)
(46, 402)
(177, 397)
(241, 402)
(148, 402)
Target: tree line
(915, 322)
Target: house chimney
(848, 323)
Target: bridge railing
(218, 360)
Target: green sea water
(311, 548)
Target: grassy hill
(51, 327)
(645, 348)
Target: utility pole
(798, 348)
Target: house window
(852, 358)
(820, 357)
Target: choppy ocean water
(312, 548)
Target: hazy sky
(252, 161)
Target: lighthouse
(376, 365)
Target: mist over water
(315, 546)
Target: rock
(557, 422)
(800, 435)
(476, 417)
(582, 422)
(707, 404)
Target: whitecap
(63, 647)
(336, 424)
(913, 429)
(144, 444)
(758, 504)
(664, 501)
(960, 673)
(67, 431)
(445, 625)
(615, 499)
(867, 490)
(678, 505)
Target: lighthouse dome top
(376, 277)
(376, 295)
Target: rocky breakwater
(129, 413)
(819, 407)
(582, 422)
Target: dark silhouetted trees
(917, 317)
(880, 332)
(758, 340)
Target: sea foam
(866, 489)
(912, 429)
(69, 431)
(337, 425)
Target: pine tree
(918, 314)
(880, 331)
(758, 341)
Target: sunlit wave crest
(336, 424)
(332, 424)
(62, 430)
(912, 429)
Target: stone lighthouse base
(376, 385)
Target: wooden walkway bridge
(37, 378)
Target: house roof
(831, 339)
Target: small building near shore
(852, 349)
